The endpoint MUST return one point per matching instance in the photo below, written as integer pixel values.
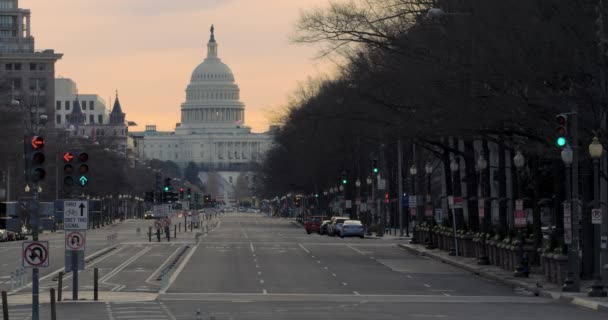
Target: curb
(509, 282)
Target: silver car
(352, 228)
(335, 226)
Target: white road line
(259, 273)
(409, 277)
(356, 293)
(262, 281)
(264, 291)
(257, 266)
(446, 294)
(356, 250)
(303, 248)
(325, 268)
(318, 261)
(123, 265)
(246, 236)
(251, 246)
(333, 274)
(426, 285)
(428, 315)
(344, 283)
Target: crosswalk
(152, 310)
(23, 313)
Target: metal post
(573, 279)
(400, 185)
(597, 288)
(35, 283)
(95, 284)
(53, 305)
(74, 275)
(59, 286)
(4, 305)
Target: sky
(147, 50)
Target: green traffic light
(375, 170)
(166, 189)
(561, 141)
(344, 181)
(316, 195)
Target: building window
(33, 67)
(91, 118)
(67, 118)
(8, 66)
(83, 105)
(230, 179)
(91, 105)
(41, 66)
(17, 66)
(67, 105)
(58, 105)
(100, 118)
(58, 119)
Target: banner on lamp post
(481, 207)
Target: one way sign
(75, 215)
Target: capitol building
(212, 132)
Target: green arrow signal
(83, 181)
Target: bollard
(4, 305)
(175, 232)
(95, 284)
(158, 234)
(12, 280)
(180, 227)
(59, 286)
(53, 306)
(190, 227)
(149, 234)
(198, 315)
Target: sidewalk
(535, 284)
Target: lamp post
(572, 282)
(454, 169)
(341, 188)
(522, 270)
(358, 198)
(482, 165)
(413, 173)
(325, 193)
(595, 151)
(428, 168)
(370, 182)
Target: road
(255, 267)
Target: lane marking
(356, 293)
(152, 276)
(426, 285)
(259, 273)
(251, 246)
(181, 267)
(264, 291)
(262, 281)
(356, 250)
(303, 248)
(344, 283)
(409, 277)
(333, 274)
(123, 265)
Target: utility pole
(400, 185)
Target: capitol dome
(212, 97)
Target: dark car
(313, 224)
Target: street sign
(596, 216)
(75, 240)
(67, 260)
(455, 202)
(413, 212)
(348, 204)
(413, 201)
(428, 211)
(381, 184)
(363, 207)
(519, 205)
(35, 254)
(520, 219)
(76, 215)
(405, 201)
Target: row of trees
(455, 83)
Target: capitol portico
(211, 133)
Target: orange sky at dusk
(147, 49)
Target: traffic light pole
(35, 272)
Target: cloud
(164, 7)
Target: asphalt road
(255, 267)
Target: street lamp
(595, 151)
(454, 169)
(571, 283)
(428, 168)
(482, 165)
(358, 199)
(413, 173)
(522, 270)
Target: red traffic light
(68, 169)
(68, 157)
(560, 119)
(38, 158)
(37, 142)
(181, 189)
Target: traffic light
(562, 130)
(298, 201)
(207, 198)
(197, 197)
(36, 159)
(387, 199)
(344, 178)
(316, 195)
(75, 170)
(167, 187)
(375, 166)
(181, 193)
(189, 194)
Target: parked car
(352, 228)
(324, 226)
(336, 225)
(313, 224)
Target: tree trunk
(536, 217)
(447, 175)
(502, 189)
